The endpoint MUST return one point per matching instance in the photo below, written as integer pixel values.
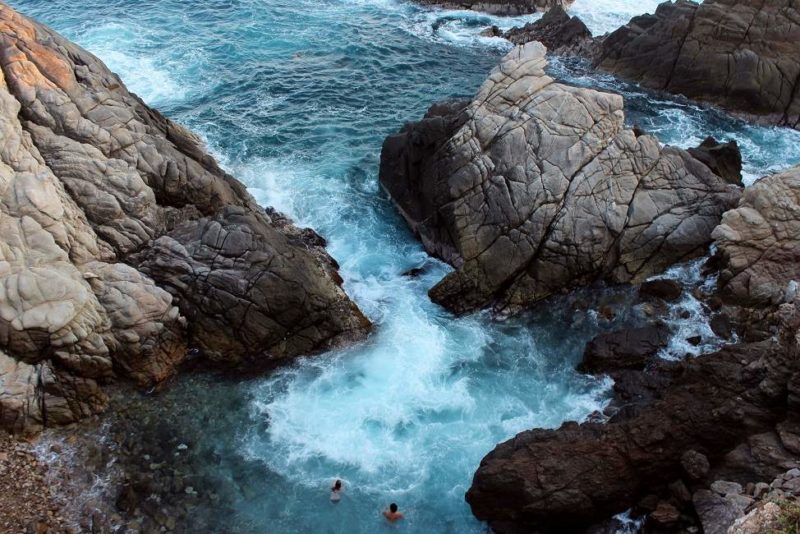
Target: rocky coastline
(507, 8)
(126, 247)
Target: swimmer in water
(336, 491)
(392, 515)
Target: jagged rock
(90, 177)
(758, 243)
(630, 348)
(539, 188)
(725, 159)
(661, 288)
(510, 8)
(763, 518)
(743, 55)
(665, 514)
(560, 33)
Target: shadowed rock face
(758, 243)
(536, 186)
(102, 202)
(499, 7)
(741, 55)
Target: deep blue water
(295, 98)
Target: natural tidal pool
(295, 98)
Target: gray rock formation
(509, 8)
(743, 55)
(536, 186)
(758, 243)
(95, 185)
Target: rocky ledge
(123, 244)
(743, 55)
(683, 438)
(509, 8)
(535, 187)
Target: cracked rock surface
(509, 8)
(741, 55)
(535, 186)
(115, 227)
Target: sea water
(294, 97)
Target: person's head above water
(337, 485)
(393, 507)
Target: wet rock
(694, 340)
(630, 348)
(518, 191)
(739, 54)
(492, 31)
(661, 288)
(721, 325)
(92, 177)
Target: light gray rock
(89, 175)
(758, 243)
(724, 487)
(717, 514)
(537, 187)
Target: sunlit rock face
(534, 187)
(94, 187)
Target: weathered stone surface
(661, 288)
(758, 243)
(560, 33)
(89, 177)
(743, 55)
(724, 159)
(579, 474)
(539, 187)
(716, 513)
(498, 7)
(630, 348)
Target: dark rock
(695, 464)
(570, 477)
(630, 348)
(661, 288)
(665, 514)
(680, 492)
(560, 33)
(724, 159)
(492, 31)
(695, 340)
(721, 325)
(743, 55)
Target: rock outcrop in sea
(535, 187)
(510, 8)
(686, 437)
(743, 55)
(561, 34)
(123, 244)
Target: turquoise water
(295, 98)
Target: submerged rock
(743, 55)
(535, 187)
(624, 349)
(94, 181)
(511, 8)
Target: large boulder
(743, 55)
(91, 180)
(536, 186)
(758, 243)
(511, 8)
